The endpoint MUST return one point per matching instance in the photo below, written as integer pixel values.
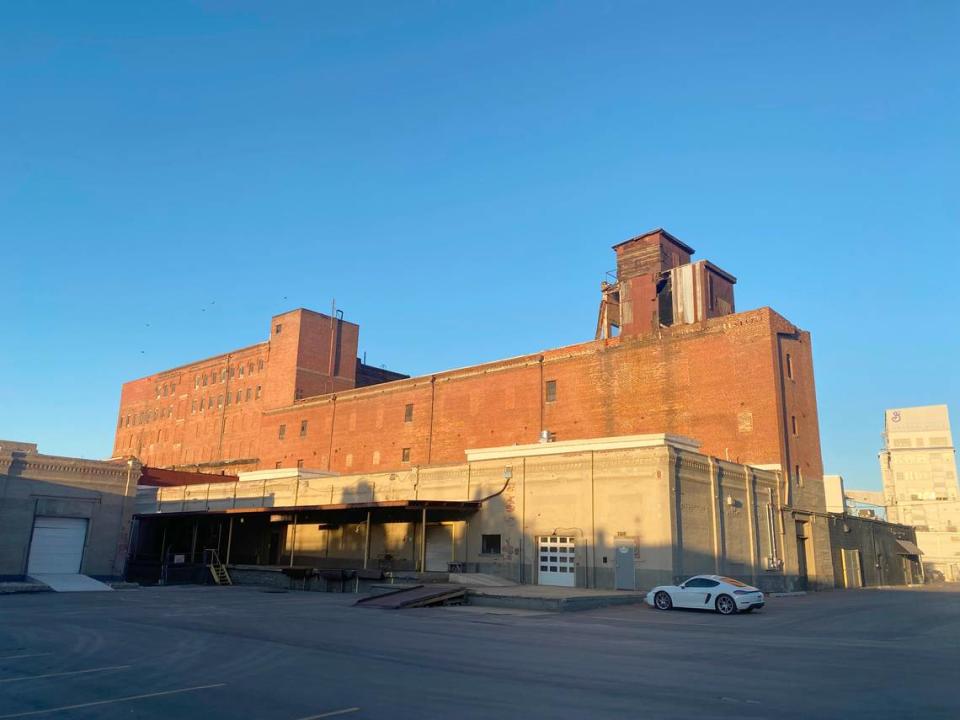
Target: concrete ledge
(551, 603)
(8, 588)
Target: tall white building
(919, 471)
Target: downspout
(752, 523)
(223, 411)
(333, 420)
(593, 527)
(433, 396)
(714, 492)
(540, 392)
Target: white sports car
(707, 592)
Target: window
(249, 393)
(196, 381)
(405, 455)
(300, 463)
(303, 428)
(223, 375)
(127, 422)
(219, 401)
(408, 413)
(793, 424)
(260, 365)
(250, 369)
(283, 432)
(193, 406)
(226, 399)
(165, 389)
(789, 366)
(277, 329)
(490, 544)
(204, 379)
(551, 391)
(240, 370)
(277, 465)
(797, 476)
(239, 396)
(258, 392)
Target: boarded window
(551, 391)
(789, 366)
(283, 432)
(303, 428)
(490, 544)
(405, 455)
(408, 413)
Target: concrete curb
(556, 604)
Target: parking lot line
(331, 713)
(109, 702)
(64, 674)
(27, 655)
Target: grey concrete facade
(652, 507)
(35, 485)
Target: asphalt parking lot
(241, 652)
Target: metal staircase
(217, 568)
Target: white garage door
(439, 547)
(557, 555)
(57, 545)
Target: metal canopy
(387, 507)
(908, 548)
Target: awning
(908, 548)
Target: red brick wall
(172, 430)
(719, 381)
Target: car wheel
(725, 605)
(662, 601)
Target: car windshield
(731, 581)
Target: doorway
(803, 580)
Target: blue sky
(454, 174)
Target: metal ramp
(71, 582)
(416, 596)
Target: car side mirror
(683, 587)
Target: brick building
(670, 355)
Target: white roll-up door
(557, 564)
(57, 545)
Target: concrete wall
(678, 512)
(33, 484)
(866, 552)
